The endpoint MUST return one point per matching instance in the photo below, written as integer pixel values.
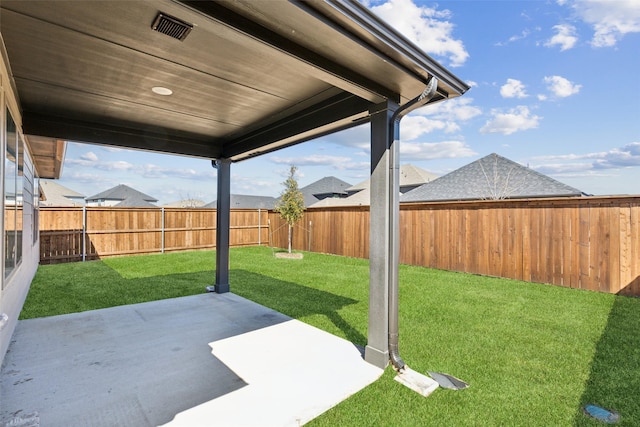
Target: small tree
(291, 203)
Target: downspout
(426, 95)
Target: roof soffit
(251, 77)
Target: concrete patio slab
(204, 360)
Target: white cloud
(250, 185)
(442, 116)
(158, 172)
(336, 162)
(523, 35)
(610, 20)
(356, 137)
(516, 119)
(428, 27)
(626, 156)
(84, 178)
(561, 87)
(149, 170)
(412, 127)
(456, 109)
(513, 89)
(616, 158)
(434, 150)
(89, 156)
(565, 37)
(562, 168)
(119, 165)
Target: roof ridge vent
(173, 27)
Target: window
(10, 217)
(27, 196)
(13, 197)
(20, 199)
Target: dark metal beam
(325, 113)
(149, 138)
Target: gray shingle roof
(122, 192)
(328, 186)
(410, 177)
(54, 194)
(241, 201)
(491, 177)
(134, 201)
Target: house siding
(15, 286)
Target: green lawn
(532, 354)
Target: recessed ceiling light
(161, 90)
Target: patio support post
(384, 228)
(223, 213)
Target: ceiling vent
(173, 27)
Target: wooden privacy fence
(588, 243)
(85, 233)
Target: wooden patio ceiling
(249, 77)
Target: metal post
(162, 231)
(223, 224)
(84, 233)
(384, 213)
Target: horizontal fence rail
(587, 243)
(87, 233)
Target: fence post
(259, 223)
(310, 227)
(269, 232)
(162, 230)
(84, 233)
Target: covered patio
(193, 361)
(226, 81)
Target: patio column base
(376, 357)
(221, 288)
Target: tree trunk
(290, 229)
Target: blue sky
(555, 85)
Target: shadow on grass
(295, 300)
(614, 380)
(96, 285)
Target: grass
(533, 354)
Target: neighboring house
(241, 201)
(186, 203)
(121, 196)
(411, 177)
(492, 177)
(327, 187)
(54, 194)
